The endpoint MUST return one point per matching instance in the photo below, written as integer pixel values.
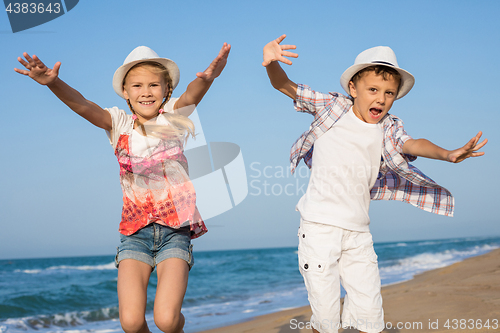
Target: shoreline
(462, 297)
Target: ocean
(78, 295)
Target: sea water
(79, 294)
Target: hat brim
(407, 79)
(120, 73)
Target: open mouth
(146, 103)
(375, 112)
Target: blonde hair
(181, 126)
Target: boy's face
(373, 96)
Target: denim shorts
(155, 243)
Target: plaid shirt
(397, 180)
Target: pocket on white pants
(309, 264)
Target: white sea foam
(197, 317)
(224, 313)
(406, 268)
(28, 271)
(239, 301)
(110, 266)
(66, 322)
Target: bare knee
(132, 323)
(169, 322)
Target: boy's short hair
(385, 71)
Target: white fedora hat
(142, 54)
(379, 55)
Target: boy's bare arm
(49, 77)
(425, 148)
(197, 89)
(272, 53)
(280, 80)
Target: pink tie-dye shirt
(156, 186)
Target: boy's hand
(469, 150)
(217, 65)
(273, 51)
(37, 70)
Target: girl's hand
(469, 150)
(37, 70)
(273, 51)
(217, 65)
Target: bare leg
(133, 277)
(172, 283)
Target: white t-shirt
(345, 166)
(123, 123)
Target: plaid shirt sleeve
(399, 180)
(326, 109)
(310, 101)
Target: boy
(357, 151)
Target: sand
(463, 297)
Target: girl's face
(146, 91)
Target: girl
(159, 216)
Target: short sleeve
(169, 106)
(310, 101)
(399, 137)
(121, 122)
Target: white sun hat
(142, 54)
(379, 55)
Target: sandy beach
(463, 297)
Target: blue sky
(60, 193)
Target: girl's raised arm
(49, 77)
(198, 87)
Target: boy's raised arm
(49, 77)
(272, 53)
(425, 148)
(198, 87)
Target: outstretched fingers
(25, 64)
(38, 63)
(481, 145)
(22, 71)
(30, 62)
(217, 65)
(223, 55)
(274, 51)
(469, 150)
(289, 54)
(475, 149)
(221, 58)
(473, 145)
(224, 51)
(285, 46)
(37, 70)
(280, 38)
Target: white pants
(330, 255)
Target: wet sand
(463, 297)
